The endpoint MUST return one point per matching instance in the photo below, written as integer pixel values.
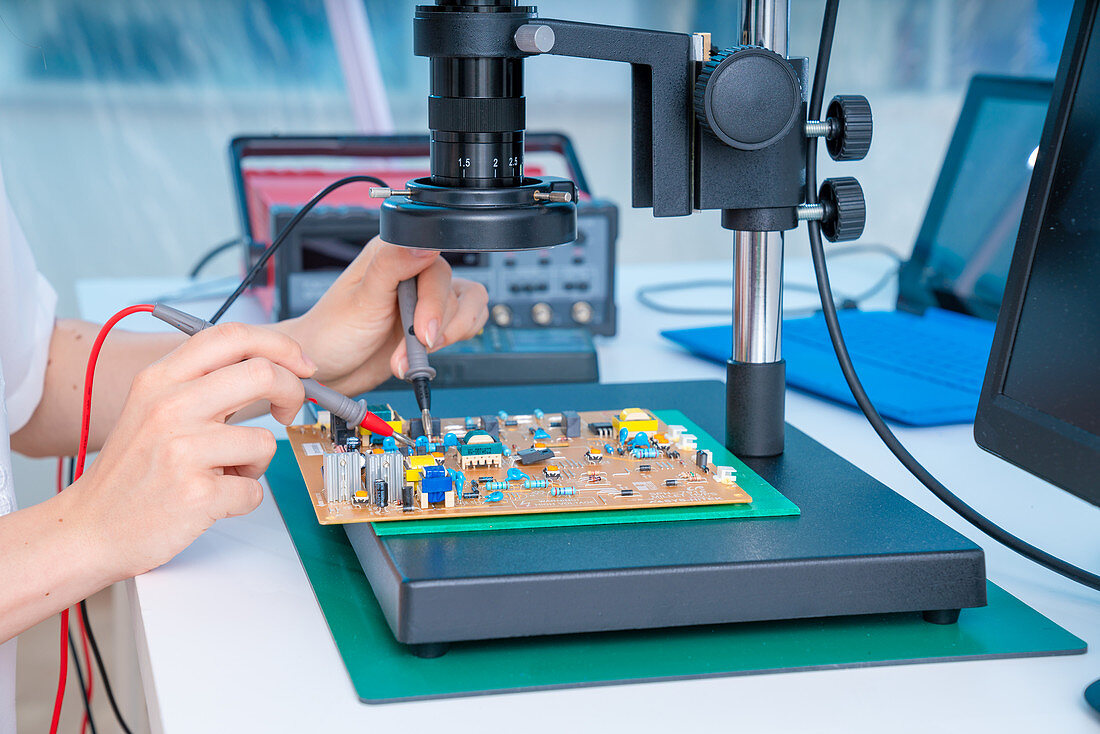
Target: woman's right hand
(172, 466)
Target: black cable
(211, 254)
(306, 208)
(644, 294)
(80, 680)
(101, 667)
(828, 307)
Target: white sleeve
(27, 306)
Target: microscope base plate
(857, 548)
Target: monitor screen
(1055, 360)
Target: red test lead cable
(85, 423)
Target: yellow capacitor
(412, 476)
(419, 460)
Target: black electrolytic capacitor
(381, 492)
(408, 498)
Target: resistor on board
(644, 453)
(534, 483)
(563, 491)
(494, 486)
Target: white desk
(231, 639)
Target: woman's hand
(354, 332)
(172, 466)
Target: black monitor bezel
(1038, 442)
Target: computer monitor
(1040, 403)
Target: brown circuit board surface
(581, 475)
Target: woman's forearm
(52, 558)
(54, 429)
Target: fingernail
(433, 333)
(310, 364)
(402, 368)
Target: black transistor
(533, 456)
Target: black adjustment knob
(845, 209)
(748, 97)
(852, 138)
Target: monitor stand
(856, 548)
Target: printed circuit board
(507, 464)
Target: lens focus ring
(476, 114)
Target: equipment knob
(852, 116)
(502, 314)
(542, 314)
(748, 97)
(582, 312)
(845, 209)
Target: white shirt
(27, 304)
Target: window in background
(115, 151)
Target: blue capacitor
(471, 423)
(458, 478)
(623, 433)
(503, 415)
(517, 474)
(506, 451)
(450, 441)
(388, 444)
(644, 453)
(494, 497)
(539, 414)
(563, 491)
(541, 435)
(609, 449)
(640, 440)
(534, 484)
(421, 444)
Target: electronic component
(494, 497)
(471, 494)
(645, 467)
(634, 420)
(533, 455)
(702, 459)
(626, 492)
(571, 423)
(603, 429)
(534, 484)
(672, 482)
(480, 449)
(594, 455)
(381, 493)
(342, 475)
(646, 453)
(551, 471)
(408, 498)
(563, 491)
(725, 474)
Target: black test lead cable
(828, 307)
(95, 647)
(102, 668)
(80, 680)
(258, 267)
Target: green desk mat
(766, 500)
(382, 670)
